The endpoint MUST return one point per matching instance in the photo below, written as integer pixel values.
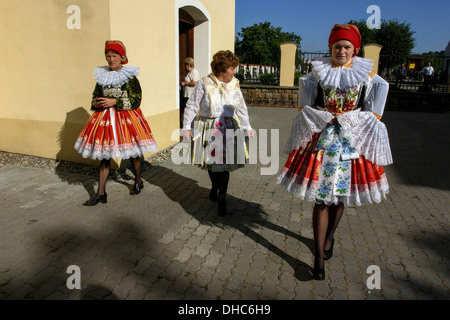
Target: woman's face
(228, 75)
(342, 51)
(114, 60)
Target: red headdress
(348, 32)
(119, 47)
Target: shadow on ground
(418, 143)
(244, 216)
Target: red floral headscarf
(348, 32)
(119, 47)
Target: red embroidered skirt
(300, 175)
(115, 134)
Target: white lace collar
(108, 78)
(342, 77)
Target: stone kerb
(270, 96)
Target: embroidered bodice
(121, 85)
(338, 100)
(349, 78)
(214, 99)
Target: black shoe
(103, 198)
(318, 273)
(222, 211)
(329, 253)
(137, 188)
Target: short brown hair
(189, 61)
(223, 60)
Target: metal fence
(414, 79)
(262, 74)
(388, 67)
(304, 66)
(258, 74)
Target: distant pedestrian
(117, 128)
(337, 143)
(400, 76)
(221, 108)
(428, 73)
(188, 83)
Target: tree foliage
(395, 37)
(260, 43)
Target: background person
(400, 76)
(117, 128)
(427, 74)
(189, 81)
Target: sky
(313, 20)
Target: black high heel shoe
(103, 198)
(318, 273)
(329, 253)
(137, 188)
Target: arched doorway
(185, 50)
(193, 37)
(186, 39)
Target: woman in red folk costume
(337, 143)
(117, 128)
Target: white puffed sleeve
(193, 104)
(242, 113)
(307, 91)
(376, 96)
(309, 120)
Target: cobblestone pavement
(169, 243)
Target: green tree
(395, 37)
(260, 43)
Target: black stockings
(219, 181)
(103, 176)
(325, 222)
(136, 163)
(104, 173)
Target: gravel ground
(78, 168)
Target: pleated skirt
(300, 176)
(112, 134)
(219, 144)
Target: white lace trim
(108, 78)
(368, 135)
(342, 77)
(305, 124)
(123, 151)
(361, 194)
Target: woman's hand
(103, 103)
(187, 135)
(251, 133)
(334, 121)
